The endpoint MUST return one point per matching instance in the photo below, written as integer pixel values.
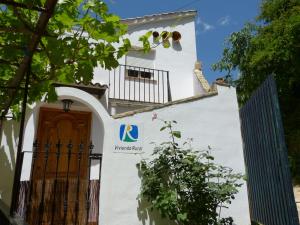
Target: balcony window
(132, 73)
(140, 65)
(135, 73)
(146, 75)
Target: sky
(215, 21)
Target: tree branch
(22, 5)
(15, 30)
(52, 65)
(17, 47)
(76, 50)
(36, 78)
(24, 30)
(28, 26)
(3, 61)
(21, 18)
(31, 47)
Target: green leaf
(145, 40)
(161, 129)
(52, 96)
(112, 18)
(166, 44)
(65, 19)
(148, 34)
(209, 157)
(182, 217)
(176, 134)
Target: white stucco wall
(210, 121)
(8, 141)
(179, 59)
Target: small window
(140, 65)
(132, 73)
(146, 75)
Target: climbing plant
(185, 185)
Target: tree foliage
(270, 46)
(80, 36)
(186, 186)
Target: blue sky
(217, 19)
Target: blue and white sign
(129, 138)
(129, 133)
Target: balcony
(139, 85)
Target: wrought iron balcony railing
(132, 83)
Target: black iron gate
(270, 190)
(66, 199)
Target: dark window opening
(146, 75)
(133, 73)
(139, 74)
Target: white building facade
(165, 81)
(162, 74)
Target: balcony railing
(61, 189)
(132, 83)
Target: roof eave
(159, 17)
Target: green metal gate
(270, 190)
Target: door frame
(39, 135)
(89, 103)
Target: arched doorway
(48, 182)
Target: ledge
(222, 83)
(151, 108)
(122, 102)
(93, 89)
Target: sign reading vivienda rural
(129, 138)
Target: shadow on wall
(8, 139)
(148, 216)
(176, 46)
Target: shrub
(186, 186)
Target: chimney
(201, 85)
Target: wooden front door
(60, 171)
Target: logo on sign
(129, 133)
